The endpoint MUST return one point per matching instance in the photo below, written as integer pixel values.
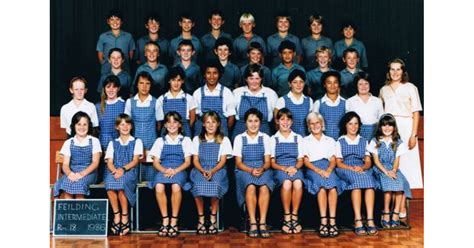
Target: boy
(78, 89)
(283, 22)
(152, 24)
(350, 59)
(281, 72)
(348, 29)
(186, 23)
(315, 87)
(157, 71)
(192, 79)
(230, 77)
(116, 61)
(241, 43)
(312, 42)
(115, 38)
(216, 20)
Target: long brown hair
(112, 79)
(219, 136)
(387, 119)
(405, 77)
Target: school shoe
(201, 226)
(359, 231)
(324, 228)
(252, 233)
(372, 230)
(296, 224)
(333, 230)
(116, 228)
(264, 233)
(125, 226)
(163, 230)
(394, 223)
(384, 223)
(173, 230)
(288, 224)
(213, 229)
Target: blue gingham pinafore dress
(214, 103)
(367, 131)
(300, 111)
(179, 105)
(123, 154)
(247, 102)
(107, 122)
(252, 156)
(332, 116)
(387, 157)
(81, 158)
(286, 154)
(353, 155)
(316, 181)
(145, 129)
(219, 183)
(172, 156)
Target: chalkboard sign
(80, 217)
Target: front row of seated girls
(317, 162)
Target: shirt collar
(218, 88)
(130, 138)
(148, 98)
(179, 95)
(326, 99)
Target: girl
(320, 159)
(209, 177)
(401, 99)
(143, 108)
(252, 158)
(109, 107)
(214, 96)
(299, 104)
(81, 158)
(171, 156)
(331, 106)
(177, 100)
(254, 95)
(287, 160)
(121, 176)
(386, 148)
(368, 107)
(354, 167)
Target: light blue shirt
(280, 78)
(108, 41)
(273, 42)
(340, 46)
(193, 78)
(208, 42)
(310, 45)
(267, 76)
(313, 80)
(164, 49)
(174, 47)
(158, 74)
(231, 76)
(123, 76)
(348, 89)
(240, 48)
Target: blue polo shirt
(280, 78)
(125, 83)
(348, 89)
(164, 49)
(273, 42)
(240, 48)
(267, 76)
(108, 41)
(340, 46)
(231, 76)
(158, 74)
(208, 41)
(310, 45)
(313, 80)
(174, 46)
(193, 78)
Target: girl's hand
(73, 176)
(358, 169)
(412, 142)
(257, 172)
(168, 173)
(325, 174)
(119, 173)
(292, 171)
(208, 175)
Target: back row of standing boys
(252, 109)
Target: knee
(175, 188)
(263, 191)
(160, 189)
(286, 185)
(251, 190)
(297, 185)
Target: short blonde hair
(316, 115)
(246, 17)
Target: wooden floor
(232, 238)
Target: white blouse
(316, 150)
(238, 143)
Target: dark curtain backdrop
(389, 28)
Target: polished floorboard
(413, 237)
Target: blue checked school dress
(286, 154)
(387, 157)
(252, 156)
(219, 184)
(212, 103)
(247, 102)
(353, 155)
(172, 156)
(123, 154)
(367, 131)
(315, 181)
(179, 105)
(332, 116)
(145, 129)
(107, 122)
(81, 158)
(300, 111)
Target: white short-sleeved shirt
(316, 150)
(270, 94)
(66, 149)
(401, 102)
(69, 109)
(281, 101)
(140, 104)
(402, 148)
(328, 101)
(369, 111)
(350, 142)
(238, 143)
(190, 103)
(290, 139)
(225, 147)
(157, 147)
(137, 150)
(228, 104)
